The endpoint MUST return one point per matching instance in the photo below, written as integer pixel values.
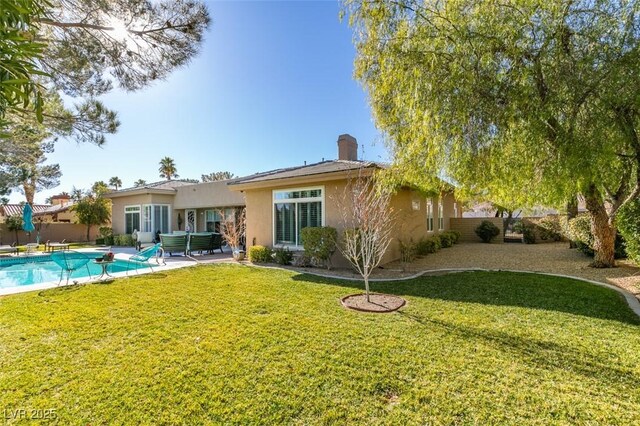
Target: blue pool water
(22, 271)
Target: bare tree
(367, 218)
(232, 229)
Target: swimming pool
(24, 271)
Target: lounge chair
(174, 243)
(143, 258)
(6, 249)
(200, 242)
(31, 248)
(48, 246)
(70, 261)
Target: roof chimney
(347, 148)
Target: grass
(233, 344)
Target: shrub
(454, 235)
(302, 259)
(527, 230)
(529, 234)
(260, 254)
(319, 243)
(487, 231)
(445, 240)
(427, 245)
(580, 232)
(282, 256)
(549, 228)
(123, 240)
(407, 251)
(106, 236)
(629, 227)
(105, 231)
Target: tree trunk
(572, 211)
(366, 284)
(603, 230)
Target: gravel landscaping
(554, 258)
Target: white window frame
(154, 228)
(225, 211)
(137, 206)
(455, 209)
(429, 208)
(440, 216)
(275, 201)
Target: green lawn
(233, 344)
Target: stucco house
(174, 205)
(281, 202)
(59, 211)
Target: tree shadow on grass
(506, 289)
(67, 288)
(537, 353)
(151, 276)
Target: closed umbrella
(27, 213)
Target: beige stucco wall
(409, 208)
(202, 197)
(118, 204)
(201, 224)
(50, 231)
(66, 216)
(207, 195)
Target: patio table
(57, 246)
(105, 264)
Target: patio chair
(70, 261)
(143, 258)
(31, 248)
(216, 243)
(200, 242)
(7, 249)
(174, 243)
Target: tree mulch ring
(379, 303)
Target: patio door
(190, 220)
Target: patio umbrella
(27, 214)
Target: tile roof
(56, 208)
(330, 166)
(16, 209)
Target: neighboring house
(59, 211)
(281, 202)
(173, 205)
(7, 210)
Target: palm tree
(168, 168)
(76, 194)
(139, 182)
(115, 182)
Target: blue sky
(272, 87)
